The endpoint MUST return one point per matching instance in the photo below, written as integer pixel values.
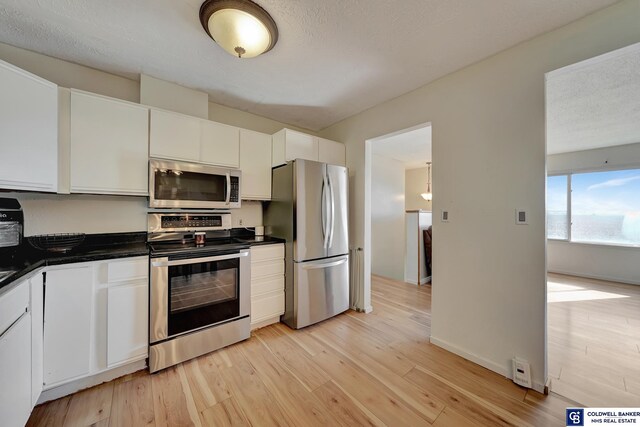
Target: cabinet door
(255, 163)
(109, 146)
(127, 323)
(174, 136)
(37, 329)
(331, 152)
(28, 131)
(15, 372)
(300, 146)
(219, 144)
(267, 306)
(67, 324)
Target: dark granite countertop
(96, 247)
(243, 235)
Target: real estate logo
(575, 417)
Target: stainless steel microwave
(192, 186)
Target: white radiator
(357, 283)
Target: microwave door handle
(228, 197)
(198, 260)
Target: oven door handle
(198, 260)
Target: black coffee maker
(11, 228)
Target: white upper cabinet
(255, 163)
(109, 145)
(220, 144)
(290, 145)
(174, 136)
(28, 131)
(331, 152)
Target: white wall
(52, 213)
(488, 159)
(415, 183)
(615, 263)
(60, 213)
(387, 218)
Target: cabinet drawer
(13, 304)
(263, 286)
(121, 271)
(267, 252)
(266, 306)
(266, 269)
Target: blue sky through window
(606, 207)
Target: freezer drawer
(321, 290)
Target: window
(605, 207)
(557, 215)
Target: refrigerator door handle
(333, 211)
(325, 213)
(312, 266)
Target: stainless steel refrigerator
(308, 208)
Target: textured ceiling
(412, 148)
(595, 103)
(334, 58)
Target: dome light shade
(427, 196)
(240, 27)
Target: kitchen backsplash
(58, 213)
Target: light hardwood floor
(353, 370)
(594, 341)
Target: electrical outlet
(240, 221)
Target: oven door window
(182, 185)
(202, 294)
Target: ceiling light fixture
(240, 27)
(428, 196)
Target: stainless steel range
(200, 291)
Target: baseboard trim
(594, 276)
(82, 383)
(490, 365)
(365, 310)
(266, 322)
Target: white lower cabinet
(15, 371)
(67, 324)
(95, 318)
(37, 330)
(267, 284)
(127, 317)
(15, 356)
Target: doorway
(396, 214)
(593, 229)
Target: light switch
(445, 216)
(521, 217)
